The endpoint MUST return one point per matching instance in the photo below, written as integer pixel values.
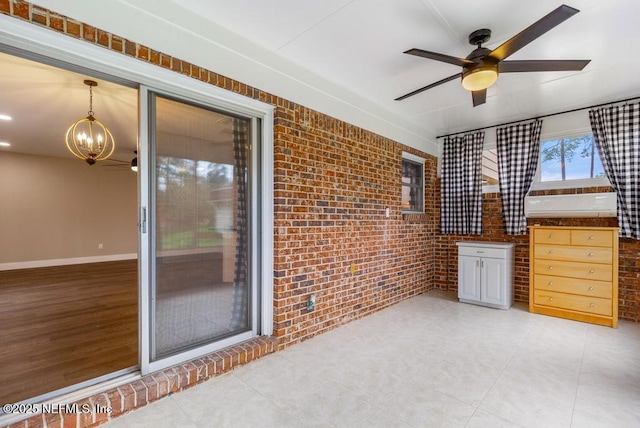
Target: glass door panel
(202, 292)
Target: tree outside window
(572, 158)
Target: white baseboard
(64, 262)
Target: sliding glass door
(201, 284)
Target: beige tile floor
(426, 362)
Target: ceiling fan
(124, 164)
(481, 67)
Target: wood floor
(63, 325)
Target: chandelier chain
(90, 101)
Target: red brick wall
(629, 262)
(333, 182)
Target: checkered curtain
(461, 185)
(518, 148)
(239, 318)
(616, 132)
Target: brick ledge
(152, 387)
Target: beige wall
(54, 208)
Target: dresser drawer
(592, 305)
(595, 272)
(551, 236)
(593, 238)
(578, 254)
(573, 286)
(496, 253)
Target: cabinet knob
(550, 282)
(590, 270)
(592, 288)
(550, 236)
(550, 251)
(590, 238)
(551, 299)
(550, 267)
(591, 305)
(590, 254)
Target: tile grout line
(575, 397)
(515, 351)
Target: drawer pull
(592, 288)
(590, 238)
(591, 305)
(590, 270)
(550, 282)
(590, 254)
(551, 299)
(550, 236)
(550, 267)
(550, 251)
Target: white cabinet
(485, 273)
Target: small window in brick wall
(412, 183)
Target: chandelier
(88, 138)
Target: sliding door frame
(148, 235)
(56, 48)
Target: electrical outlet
(100, 246)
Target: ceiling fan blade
(433, 85)
(532, 32)
(543, 65)
(439, 57)
(479, 97)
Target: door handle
(143, 220)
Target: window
(565, 162)
(412, 183)
(569, 161)
(574, 158)
(489, 167)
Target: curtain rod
(540, 117)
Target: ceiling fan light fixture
(479, 78)
(134, 162)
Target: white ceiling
(336, 53)
(358, 44)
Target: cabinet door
(493, 281)
(469, 278)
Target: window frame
(418, 161)
(559, 184)
(538, 184)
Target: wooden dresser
(573, 273)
